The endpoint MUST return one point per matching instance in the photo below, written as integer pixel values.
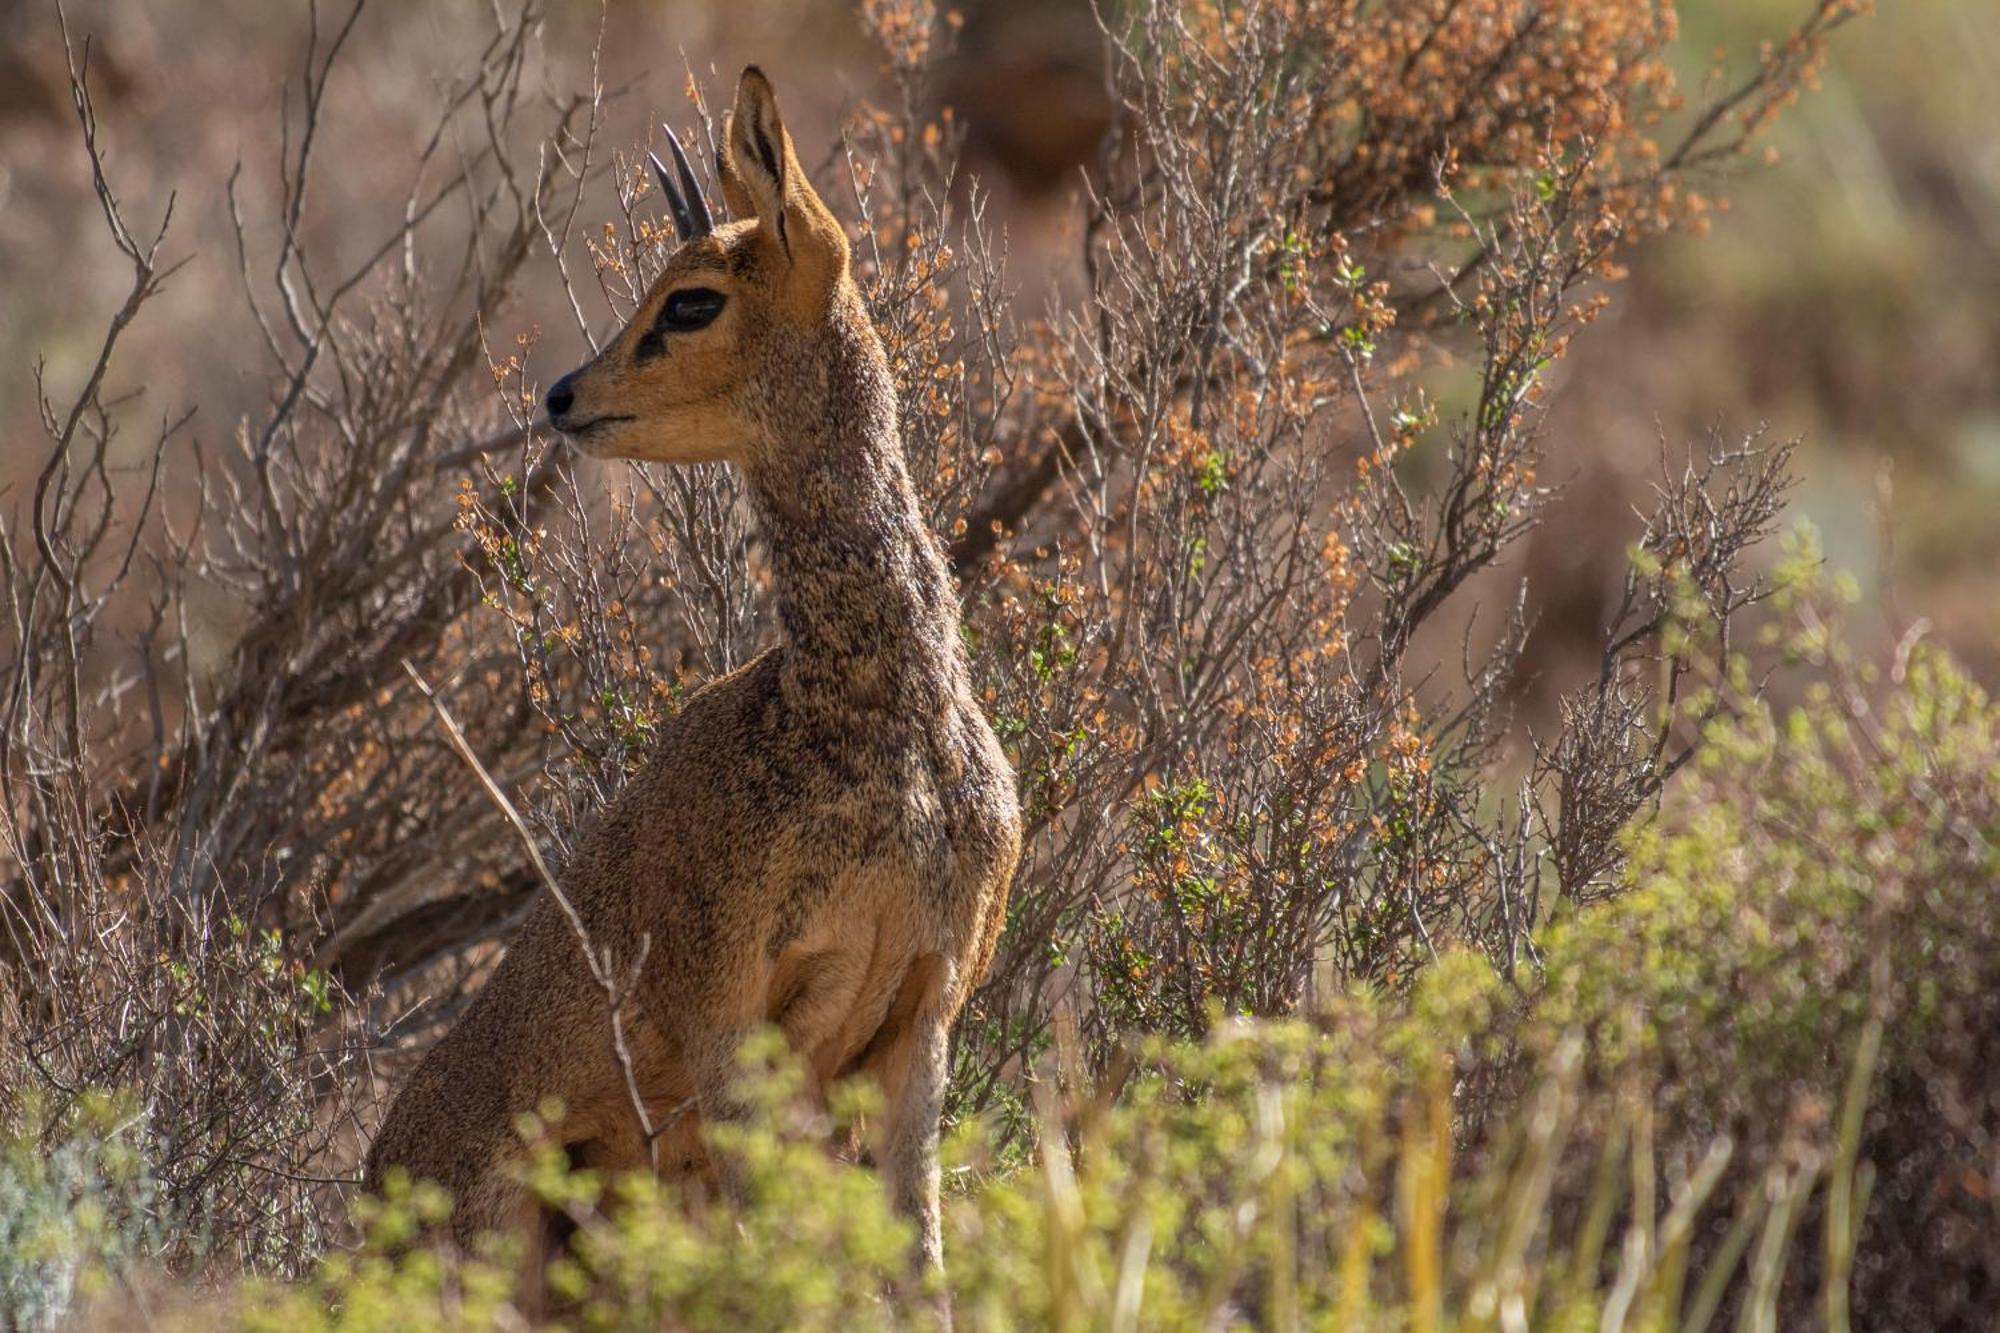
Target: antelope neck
(869, 614)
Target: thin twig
(615, 993)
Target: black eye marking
(684, 311)
(690, 308)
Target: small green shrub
(74, 1199)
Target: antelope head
(698, 373)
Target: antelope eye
(690, 308)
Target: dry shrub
(1202, 505)
(1742, 1095)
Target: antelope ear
(765, 171)
(734, 193)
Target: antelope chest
(920, 830)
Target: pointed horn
(683, 223)
(697, 206)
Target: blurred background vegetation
(1849, 297)
(1852, 298)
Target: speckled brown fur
(821, 840)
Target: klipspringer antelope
(822, 840)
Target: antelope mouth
(577, 430)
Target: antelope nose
(561, 398)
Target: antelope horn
(689, 208)
(676, 206)
(690, 187)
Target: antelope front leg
(912, 1166)
(910, 1147)
(913, 1071)
(715, 1063)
